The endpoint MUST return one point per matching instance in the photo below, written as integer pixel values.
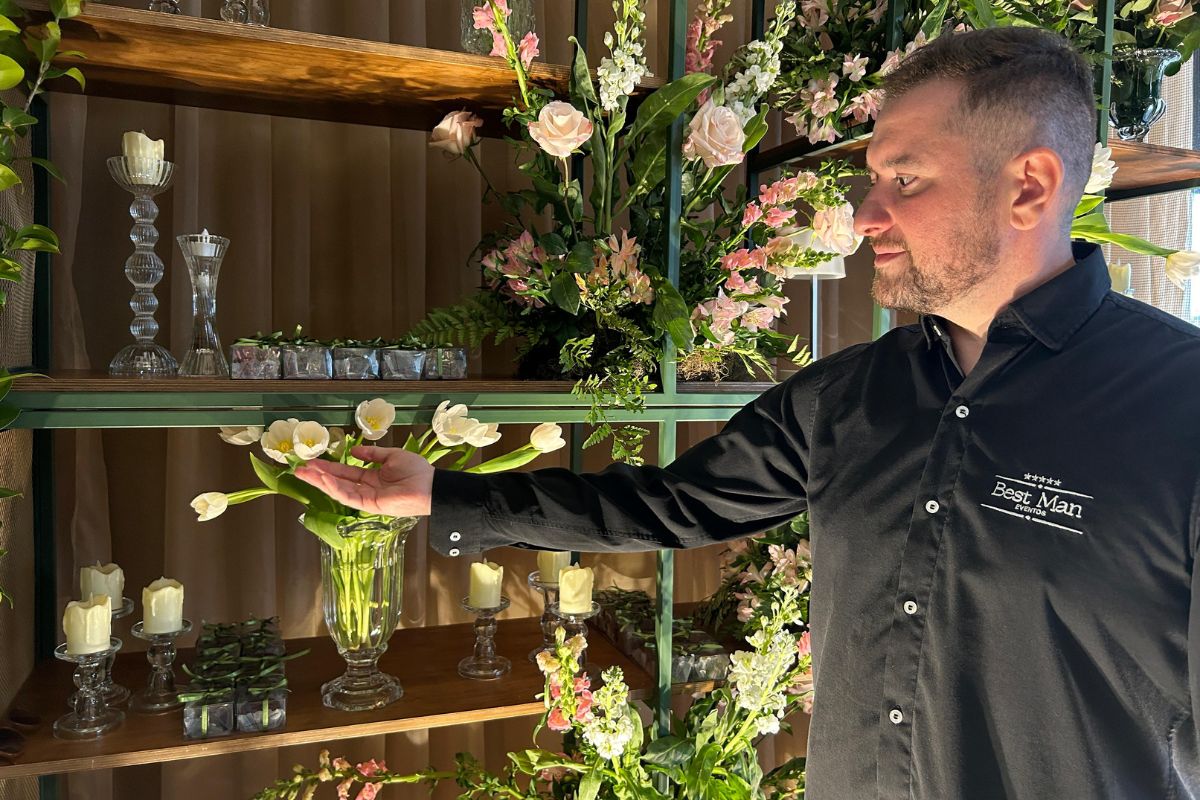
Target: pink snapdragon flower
(528, 49)
(752, 214)
(556, 721)
(778, 217)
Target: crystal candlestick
(143, 178)
(159, 695)
(576, 624)
(484, 665)
(203, 253)
(92, 717)
(249, 12)
(165, 6)
(549, 592)
(114, 693)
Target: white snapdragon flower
(277, 440)
(453, 427)
(310, 440)
(210, 505)
(374, 418)
(619, 73)
(241, 434)
(547, 437)
(1103, 170)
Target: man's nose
(872, 217)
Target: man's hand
(402, 486)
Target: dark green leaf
(933, 22)
(649, 164)
(600, 169)
(699, 772)
(6, 493)
(662, 107)
(267, 473)
(583, 93)
(589, 787)
(671, 315)
(14, 117)
(9, 8)
(565, 292)
(669, 751)
(6, 383)
(325, 525)
(42, 41)
(553, 244)
(756, 129)
(8, 414)
(580, 258)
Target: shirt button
(453, 552)
(455, 536)
(932, 506)
(961, 412)
(895, 716)
(910, 607)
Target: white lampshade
(803, 238)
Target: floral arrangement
(589, 297)
(1162, 23)
(607, 752)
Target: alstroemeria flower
(547, 437)
(453, 427)
(309, 440)
(277, 441)
(374, 418)
(210, 505)
(241, 434)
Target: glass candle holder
(209, 714)
(247, 12)
(549, 592)
(144, 179)
(114, 693)
(484, 664)
(355, 363)
(160, 694)
(401, 365)
(92, 717)
(308, 362)
(576, 624)
(250, 362)
(203, 253)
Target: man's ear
(1036, 181)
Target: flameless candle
(575, 590)
(143, 154)
(1120, 275)
(204, 245)
(107, 580)
(88, 625)
(486, 577)
(552, 562)
(162, 606)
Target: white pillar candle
(143, 155)
(575, 590)
(162, 606)
(107, 580)
(552, 562)
(486, 577)
(1120, 275)
(88, 625)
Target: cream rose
(456, 132)
(833, 230)
(560, 129)
(715, 136)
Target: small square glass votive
(449, 363)
(307, 362)
(355, 363)
(261, 710)
(402, 365)
(209, 716)
(251, 362)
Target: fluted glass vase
(363, 586)
(203, 254)
(1136, 102)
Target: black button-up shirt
(1003, 595)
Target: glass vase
(1136, 102)
(248, 12)
(363, 586)
(479, 41)
(203, 254)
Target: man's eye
(904, 180)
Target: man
(1003, 498)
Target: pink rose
(1168, 12)
(528, 49)
(456, 132)
(715, 136)
(560, 129)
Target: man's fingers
(376, 455)
(347, 492)
(345, 471)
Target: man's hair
(1021, 88)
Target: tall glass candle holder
(160, 694)
(92, 717)
(144, 179)
(576, 624)
(549, 592)
(484, 664)
(203, 253)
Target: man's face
(933, 226)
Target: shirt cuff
(458, 518)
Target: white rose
(560, 129)
(484, 435)
(277, 441)
(309, 440)
(241, 434)
(715, 136)
(374, 418)
(833, 230)
(453, 427)
(1181, 266)
(210, 505)
(547, 437)
(456, 132)
(1103, 169)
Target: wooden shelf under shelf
(424, 659)
(1142, 169)
(191, 61)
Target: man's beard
(930, 284)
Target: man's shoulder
(897, 341)
(1152, 326)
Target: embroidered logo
(1040, 499)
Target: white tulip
(1181, 266)
(453, 427)
(1103, 170)
(337, 441)
(210, 505)
(547, 438)
(277, 441)
(309, 440)
(241, 434)
(374, 418)
(484, 435)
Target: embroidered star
(1058, 483)
(1038, 479)
(1028, 476)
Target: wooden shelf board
(424, 659)
(143, 55)
(1142, 169)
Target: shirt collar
(1054, 311)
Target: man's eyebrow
(902, 160)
